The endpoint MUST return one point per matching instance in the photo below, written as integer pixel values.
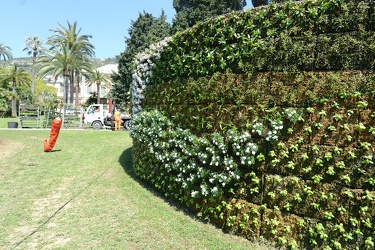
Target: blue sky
(107, 21)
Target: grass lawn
(84, 195)
(4, 121)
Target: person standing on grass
(117, 117)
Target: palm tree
(5, 52)
(16, 77)
(85, 68)
(33, 45)
(62, 62)
(70, 36)
(98, 78)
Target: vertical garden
(263, 122)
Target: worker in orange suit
(117, 118)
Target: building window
(89, 89)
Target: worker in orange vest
(117, 117)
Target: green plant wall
(263, 122)
(304, 36)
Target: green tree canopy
(190, 12)
(144, 31)
(98, 78)
(69, 38)
(5, 94)
(257, 3)
(63, 61)
(41, 86)
(5, 52)
(16, 77)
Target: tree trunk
(14, 101)
(33, 76)
(66, 90)
(98, 93)
(71, 99)
(77, 90)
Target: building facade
(85, 90)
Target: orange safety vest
(117, 116)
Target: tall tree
(63, 61)
(34, 47)
(5, 52)
(16, 77)
(257, 3)
(98, 78)
(144, 31)
(190, 12)
(70, 36)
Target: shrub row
(313, 165)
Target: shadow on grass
(126, 161)
(53, 151)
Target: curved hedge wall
(263, 122)
(305, 36)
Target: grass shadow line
(53, 151)
(126, 161)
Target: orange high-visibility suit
(117, 117)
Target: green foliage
(189, 13)
(144, 31)
(220, 172)
(18, 79)
(257, 3)
(247, 41)
(287, 80)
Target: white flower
(215, 191)
(194, 194)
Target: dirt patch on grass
(9, 148)
(42, 209)
(57, 241)
(57, 197)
